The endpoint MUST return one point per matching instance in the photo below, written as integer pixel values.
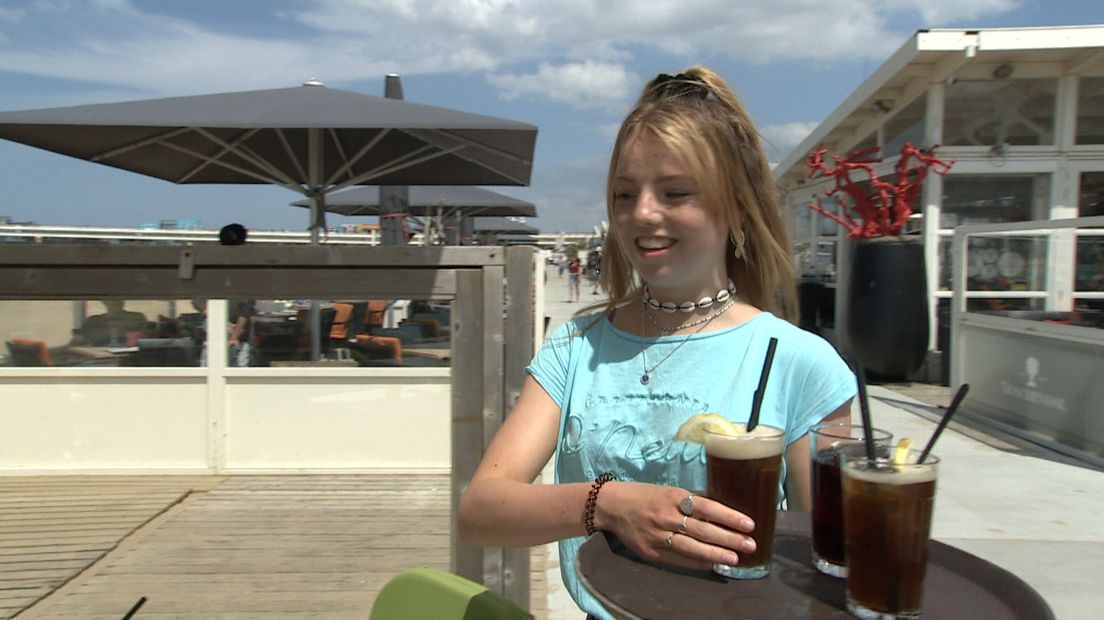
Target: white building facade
(1021, 113)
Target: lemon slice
(695, 428)
(900, 453)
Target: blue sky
(571, 67)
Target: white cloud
(582, 85)
(779, 140)
(609, 130)
(942, 12)
(11, 15)
(121, 43)
(572, 195)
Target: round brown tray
(958, 584)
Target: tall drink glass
(887, 511)
(828, 444)
(743, 472)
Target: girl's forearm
(498, 512)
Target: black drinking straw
(955, 402)
(757, 399)
(135, 608)
(864, 410)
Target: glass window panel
(1006, 263)
(997, 264)
(1003, 304)
(1089, 272)
(259, 332)
(1091, 201)
(352, 332)
(803, 222)
(946, 264)
(1090, 111)
(991, 112)
(99, 333)
(905, 126)
(826, 226)
(825, 261)
(1089, 305)
(803, 235)
(988, 199)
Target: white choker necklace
(722, 296)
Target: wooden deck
(219, 547)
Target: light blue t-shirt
(612, 422)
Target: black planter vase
(886, 306)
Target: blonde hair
(697, 116)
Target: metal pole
(318, 215)
(393, 198)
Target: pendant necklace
(646, 378)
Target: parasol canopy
(310, 139)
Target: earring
(738, 241)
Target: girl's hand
(647, 519)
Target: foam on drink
(895, 475)
(761, 442)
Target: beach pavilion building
(1021, 114)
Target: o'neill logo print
(1029, 392)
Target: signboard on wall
(1047, 386)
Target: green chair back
(432, 594)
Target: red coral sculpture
(884, 208)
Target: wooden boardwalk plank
(318, 546)
(54, 528)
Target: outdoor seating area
(277, 332)
(319, 417)
(354, 331)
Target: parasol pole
(318, 215)
(394, 199)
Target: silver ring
(686, 506)
(682, 526)
(669, 541)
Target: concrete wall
(174, 420)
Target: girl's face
(675, 241)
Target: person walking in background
(240, 330)
(594, 269)
(194, 325)
(694, 224)
(574, 271)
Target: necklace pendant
(645, 379)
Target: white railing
(11, 232)
(180, 236)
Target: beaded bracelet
(592, 500)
